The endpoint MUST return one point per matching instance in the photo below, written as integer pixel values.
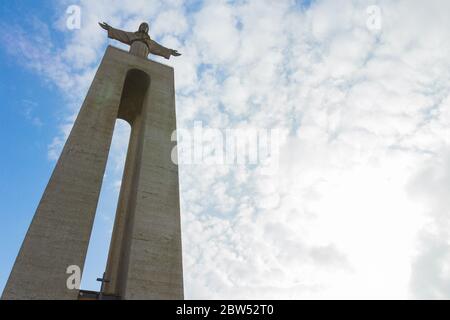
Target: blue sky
(25, 165)
(359, 206)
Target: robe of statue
(140, 43)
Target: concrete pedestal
(145, 260)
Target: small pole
(102, 287)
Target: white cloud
(431, 269)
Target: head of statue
(144, 27)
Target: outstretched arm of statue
(105, 26)
(117, 34)
(159, 50)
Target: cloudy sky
(359, 206)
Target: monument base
(145, 259)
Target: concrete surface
(145, 259)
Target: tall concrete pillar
(145, 260)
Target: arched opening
(108, 237)
(133, 95)
(104, 219)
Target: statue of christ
(140, 42)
